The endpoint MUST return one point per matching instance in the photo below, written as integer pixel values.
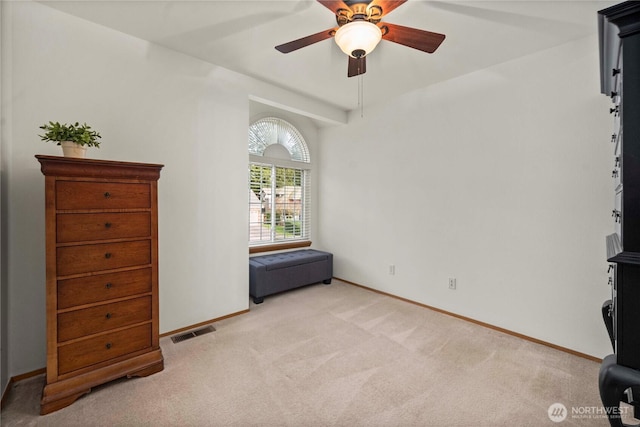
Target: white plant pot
(71, 149)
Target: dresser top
(94, 168)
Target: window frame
(304, 165)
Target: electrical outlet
(452, 283)
(392, 269)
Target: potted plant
(74, 138)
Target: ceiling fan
(360, 30)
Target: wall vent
(192, 334)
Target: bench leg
(258, 300)
(326, 281)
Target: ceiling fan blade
(425, 41)
(306, 41)
(357, 66)
(334, 5)
(387, 5)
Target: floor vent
(179, 338)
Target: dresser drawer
(101, 348)
(105, 256)
(79, 323)
(102, 226)
(102, 195)
(102, 287)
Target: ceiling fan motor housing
(359, 11)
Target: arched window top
(274, 137)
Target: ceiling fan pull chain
(361, 94)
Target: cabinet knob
(107, 255)
(615, 173)
(613, 137)
(617, 162)
(107, 195)
(615, 71)
(108, 285)
(108, 345)
(107, 316)
(614, 94)
(107, 225)
(614, 110)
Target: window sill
(279, 246)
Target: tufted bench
(270, 274)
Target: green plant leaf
(80, 134)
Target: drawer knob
(108, 285)
(107, 195)
(107, 316)
(108, 345)
(107, 225)
(107, 255)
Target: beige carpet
(337, 355)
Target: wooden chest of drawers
(101, 275)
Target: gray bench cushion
(289, 259)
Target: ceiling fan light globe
(358, 36)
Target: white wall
(4, 366)
(151, 105)
(500, 178)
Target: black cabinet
(619, 37)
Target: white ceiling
(240, 35)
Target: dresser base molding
(63, 393)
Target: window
(279, 169)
